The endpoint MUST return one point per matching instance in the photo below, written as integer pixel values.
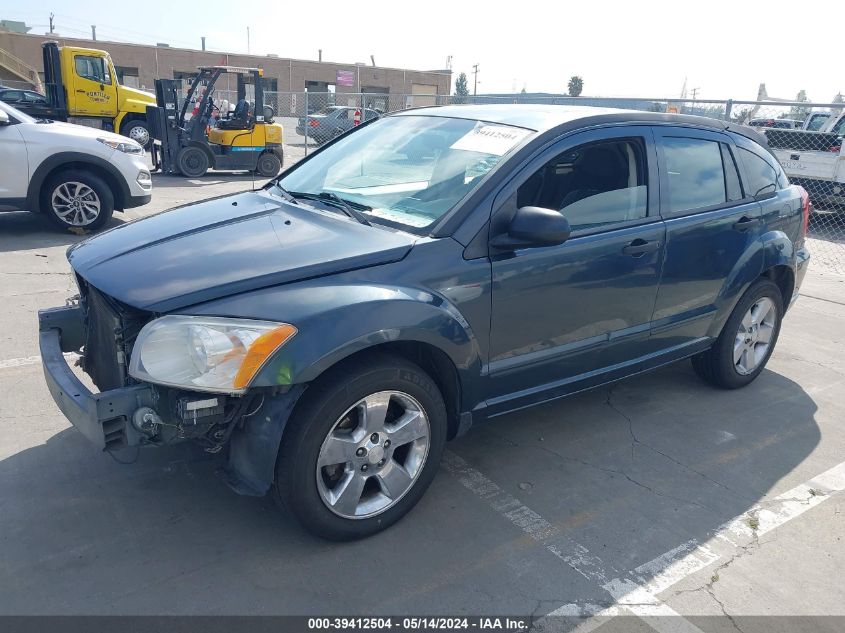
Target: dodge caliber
(427, 271)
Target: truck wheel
(747, 339)
(361, 448)
(192, 162)
(268, 165)
(77, 199)
(138, 131)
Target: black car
(27, 101)
(427, 272)
(331, 122)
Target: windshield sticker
(490, 139)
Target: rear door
(561, 314)
(14, 173)
(710, 223)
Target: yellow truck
(82, 87)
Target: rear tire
(374, 481)
(192, 162)
(77, 200)
(268, 165)
(747, 340)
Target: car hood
(226, 246)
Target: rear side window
(695, 173)
(764, 176)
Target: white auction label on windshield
(490, 139)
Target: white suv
(74, 174)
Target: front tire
(138, 131)
(361, 447)
(747, 340)
(192, 162)
(77, 200)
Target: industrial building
(138, 65)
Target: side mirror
(4, 118)
(533, 227)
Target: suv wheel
(77, 199)
(361, 448)
(747, 339)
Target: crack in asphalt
(604, 469)
(636, 441)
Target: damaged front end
(126, 412)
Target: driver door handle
(640, 247)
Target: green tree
(576, 86)
(461, 89)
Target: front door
(94, 92)
(566, 314)
(710, 223)
(14, 174)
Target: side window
(839, 128)
(695, 173)
(93, 68)
(763, 176)
(593, 185)
(12, 96)
(732, 186)
(342, 115)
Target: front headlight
(205, 353)
(127, 147)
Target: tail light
(314, 123)
(806, 206)
(835, 148)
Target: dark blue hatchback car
(418, 275)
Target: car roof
(544, 117)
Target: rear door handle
(640, 247)
(745, 223)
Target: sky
(639, 49)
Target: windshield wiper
(327, 197)
(285, 193)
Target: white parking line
(19, 362)
(636, 592)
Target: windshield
(409, 170)
(17, 114)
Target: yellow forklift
(202, 134)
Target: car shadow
(627, 473)
(22, 230)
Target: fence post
(306, 126)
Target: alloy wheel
(754, 336)
(373, 455)
(75, 203)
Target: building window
(127, 76)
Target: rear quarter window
(763, 173)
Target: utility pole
(694, 92)
(51, 23)
(247, 40)
(94, 32)
(474, 79)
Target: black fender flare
(75, 160)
